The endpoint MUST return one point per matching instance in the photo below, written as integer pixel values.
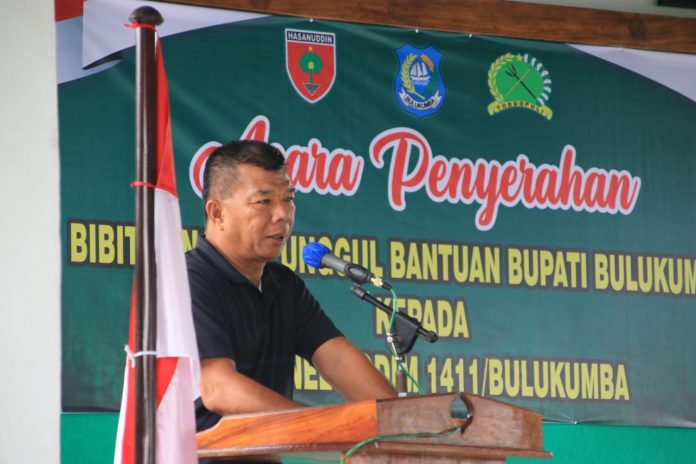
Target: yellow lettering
(92, 244)
(495, 377)
(445, 250)
(512, 376)
(413, 267)
(396, 260)
(461, 324)
(78, 242)
(129, 234)
(476, 270)
(527, 390)
(514, 266)
(606, 384)
(560, 276)
(601, 271)
(414, 308)
(546, 266)
(189, 237)
(445, 321)
(309, 379)
(690, 276)
(493, 272)
(590, 386)
(430, 262)
(107, 251)
(572, 383)
(622, 392)
(557, 389)
(541, 379)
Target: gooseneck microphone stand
(402, 336)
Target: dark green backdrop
(633, 350)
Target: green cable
(395, 309)
(443, 434)
(402, 367)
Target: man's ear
(214, 211)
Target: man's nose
(282, 211)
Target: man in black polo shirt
(253, 315)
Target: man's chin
(272, 255)
(271, 249)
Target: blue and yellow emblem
(418, 86)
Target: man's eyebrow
(262, 192)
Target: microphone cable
(399, 362)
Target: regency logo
(519, 81)
(310, 60)
(418, 85)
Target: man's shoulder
(201, 266)
(195, 259)
(203, 256)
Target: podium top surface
(487, 428)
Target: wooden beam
(492, 17)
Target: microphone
(318, 255)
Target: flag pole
(144, 19)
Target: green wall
(89, 439)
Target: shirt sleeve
(314, 327)
(208, 321)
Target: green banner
(529, 202)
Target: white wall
(29, 236)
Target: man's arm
(226, 391)
(349, 371)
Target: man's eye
(290, 199)
(265, 201)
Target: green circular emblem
(311, 63)
(519, 81)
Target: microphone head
(313, 252)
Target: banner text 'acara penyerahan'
(414, 167)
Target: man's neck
(252, 270)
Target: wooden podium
(490, 431)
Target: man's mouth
(277, 237)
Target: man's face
(258, 214)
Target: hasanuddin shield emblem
(310, 60)
(418, 86)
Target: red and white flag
(177, 354)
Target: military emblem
(418, 86)
(310, 60)
(518, 81)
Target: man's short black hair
(221, 167)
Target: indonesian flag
(177, 354)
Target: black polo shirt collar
(269, 282)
